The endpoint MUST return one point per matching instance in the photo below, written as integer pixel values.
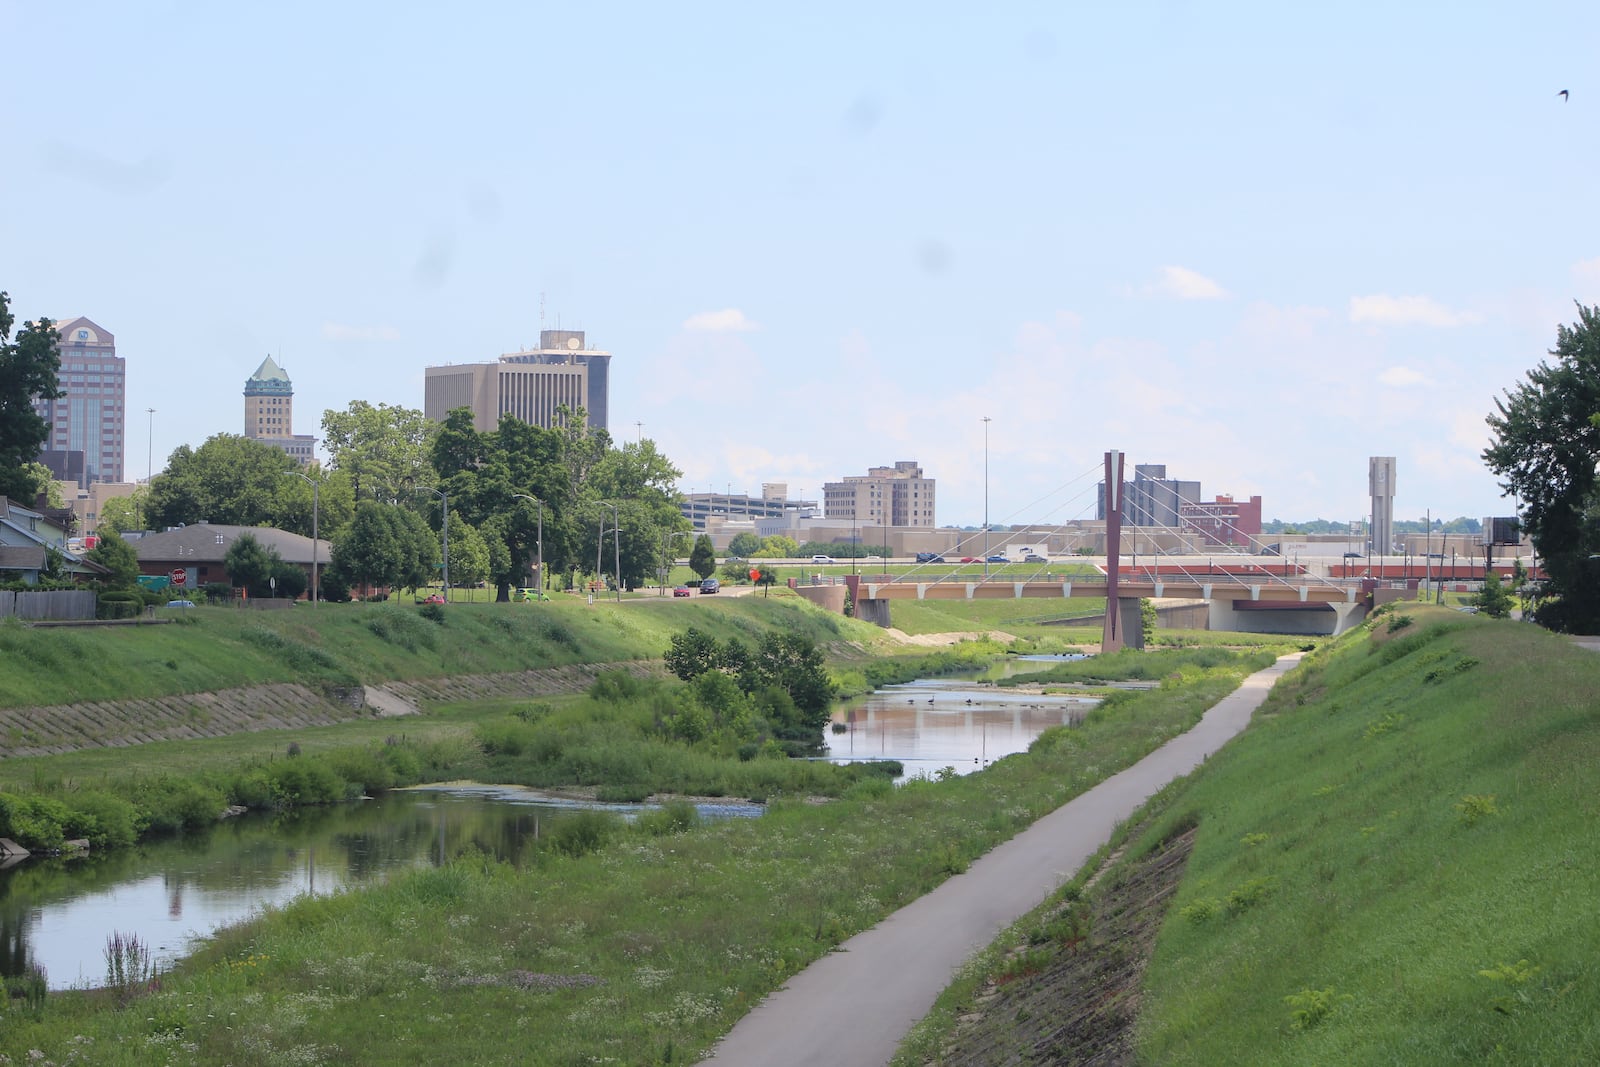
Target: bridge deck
(1279, 592)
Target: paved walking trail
(852, 1007)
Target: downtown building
(1152, 499)
(86, 442)
(269, 413)
(884, 496)
(532, 385)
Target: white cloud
(1181, 283)
(337, 331)
(1385, 310)
(728, 320)
(1400, 377)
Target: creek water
(58, 912)
(931, 724)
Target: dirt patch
(942, 640)
(1079, 1004)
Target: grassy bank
(638, 946)
(206, 649)
(1396, 863)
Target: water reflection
(58, 912)
(928, 725)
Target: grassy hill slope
(1396, 863)
(207, 649)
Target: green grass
(340, 644)
(643, 950)
(1429, 804)
(1396, 863)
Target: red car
(682, 590)
(969, 559)
(434, 598)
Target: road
(852, 1007)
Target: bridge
(1275, 598)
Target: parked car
(529, 594)
(929, 557)
(821, 559)
(180, 603)
(998, 557)
(434, 598)
(1034, 557)
(710, 585)
(682, 590)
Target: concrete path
(852, 1007)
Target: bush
(584, 832)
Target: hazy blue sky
(1256, 242)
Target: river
(58, 912)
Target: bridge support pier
(874, 611)
(1130, 623)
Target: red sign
(179, 576)
(755, 575)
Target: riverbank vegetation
(629, 946)
(1394, 863)
(210, 648)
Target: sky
(1257, 243)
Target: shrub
(673, 817)
(584, 832)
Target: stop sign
(179, 576)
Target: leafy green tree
(28, 368)
(744, 544)
(118, 557)
(229, 479)
(793, 663)
(123, 514)
(1493, 600)
(469, 556)
(382, 450)
(288, 580)
(703, 560)
(45, 487)
(779, 546)
(367, 552)
(691, 654)
(1545, 449)
(250, 564)
(416, 548)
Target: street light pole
(524, 496)
(444, 526)
(986, 496)
(315, 486)
(150, 447)
(616, 548)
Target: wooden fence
(49, 604)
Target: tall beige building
(269, 412)
(532, 384)
(885, 496)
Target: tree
(691, 654)
(367, 552)
(28, 368)
(383, 450)
(1546, 445)
(123, 514)
(744, 544)
(779, 546)
(251, 565)
(469, 556)
(1493, 600)
(230, 479)
(45, 487)
(118, 557)
(703, 559)
(793, 663)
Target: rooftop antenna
(541, 309)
